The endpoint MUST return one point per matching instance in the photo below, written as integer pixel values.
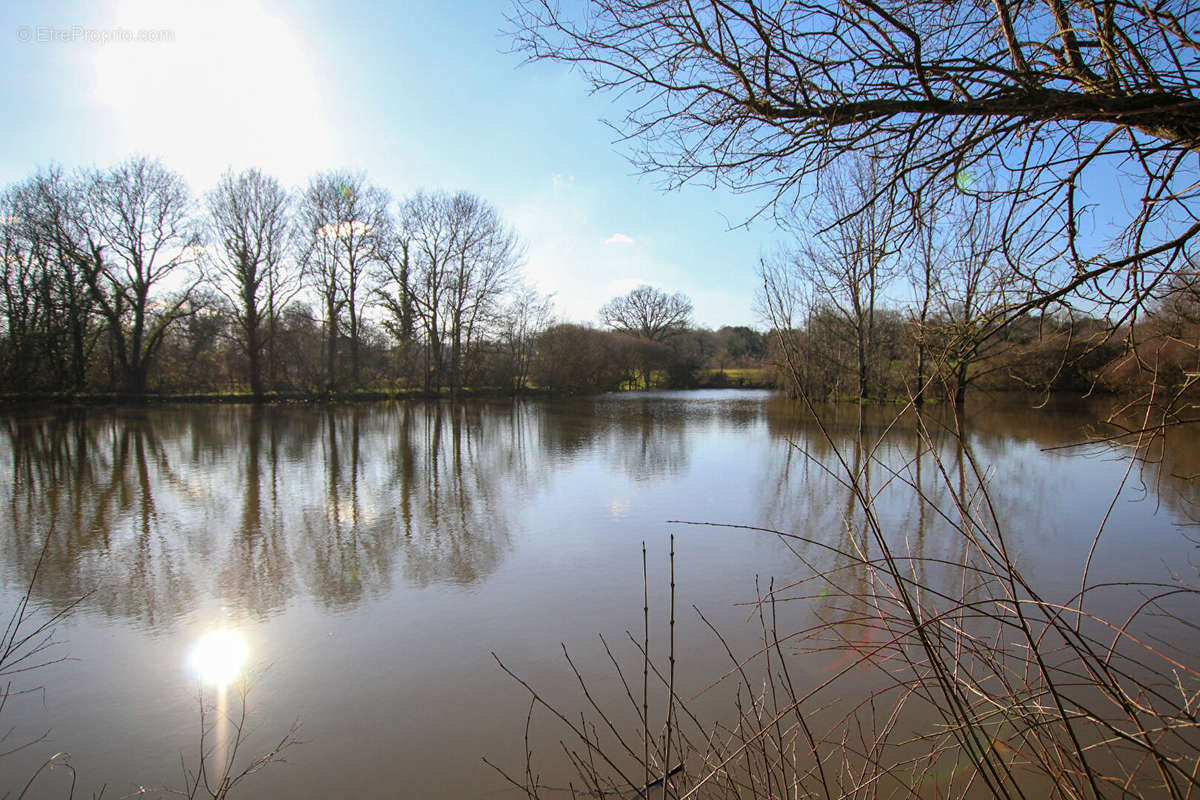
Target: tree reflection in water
(155, 511)
(425, 534)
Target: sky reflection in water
(371, 557)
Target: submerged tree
(970, 296)
(845, 265)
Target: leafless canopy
(455, 258)
(346, 231)
(249, 233)
(1057, 103)
(648, 313)
(140, 236)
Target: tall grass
(955, 676)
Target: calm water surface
(373, 557)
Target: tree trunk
(406, 307)
(919, 398)
(354, 382)
(331, 349)
(78, 365)
(272, 376)
(862, 367)
(135, 379)
(456, 359)
(254, 354)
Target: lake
(372, 558)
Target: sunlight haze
(415, 95)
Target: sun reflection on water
(217, 658)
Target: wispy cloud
(562, 183)
(569, 255)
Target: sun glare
(234, 85)
(964, 179)
(218, 657)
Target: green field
(736, 376)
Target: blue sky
(418, 94)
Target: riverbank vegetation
(1027, 174)
(119, 285)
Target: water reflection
(93, 488)
(218, 657)
(158, 511)
(1033, 464)
(374, 555)
(647, 435)
(257, 567)
(155, 511)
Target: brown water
(373, 557)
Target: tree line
(120, 281)
(883, 297)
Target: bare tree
(395, 291)
(249, 231)
(1055, 100)
(1179, 301)
(48, 307)
(485, 262)
(456, 260)
(922, 271)
(649, 314)
(417, 274)
(18, 272)
(141, 240)
(346, 233)
(849, 259)
(970, 298)
(521, 323)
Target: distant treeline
(119, 281)
(939, 359)
(888, 298)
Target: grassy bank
(165, 398)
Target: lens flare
(964, 179)
(217, 658)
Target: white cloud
(619, 239)
(572, 252)
(568, 254)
